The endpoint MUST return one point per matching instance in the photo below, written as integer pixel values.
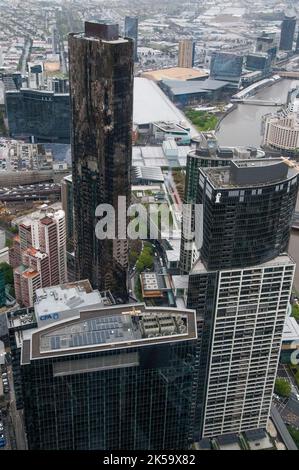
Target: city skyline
(149, 213)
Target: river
(243, 127)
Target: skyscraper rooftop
(243, 173)
(112, 327)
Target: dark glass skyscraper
(288, 26)
(240, 287)
(131, 31)
(41, 114)
(208, 153)
(101, 89)
(226, 66)
(114, 378)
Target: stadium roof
(184, 88)
(152, 105)
(175, 73)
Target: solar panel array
(94, 331)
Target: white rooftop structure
(151, 156)
(290, 330)
(150, 104)
(66, 300)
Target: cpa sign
(49, 316)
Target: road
(282, 429)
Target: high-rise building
(35, 75)
(186, 53)
(131, 31)
(55, 40)
(207, 153)
(109, 377)
(240, 287)
(41, 114)
(287, 32)
(226, 66)
(67, 200)
(101, 101)
(267, 43)
(41, 249)
(2, 290)
(258, 61)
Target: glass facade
(131, 31)
(240, 288)
(287, 33)
(131, 407)
(226, 66)
(43, 115)
(249, 225)
(101, 86)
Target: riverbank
(242, 125)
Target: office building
(131, 31)
(41, 250)
(258, 61)
(107, 378)
(35, 75)
(102, 102)
(58, 85)
(267, 43)
(55, 40)
(2, 239)
(226, 66)
(281, 130)
(15, 252)
(240, 287)
(186, 53)
(207, 153)
(287, 32)
(67, 200)
(2, 290)
(38, 115)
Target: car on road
(1, 427)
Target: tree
(282, 387)
(295, 434)
(145, 259)
(295, 311)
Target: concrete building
(41, 250)
(281, 132)
(102, 108)
(186, 53)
